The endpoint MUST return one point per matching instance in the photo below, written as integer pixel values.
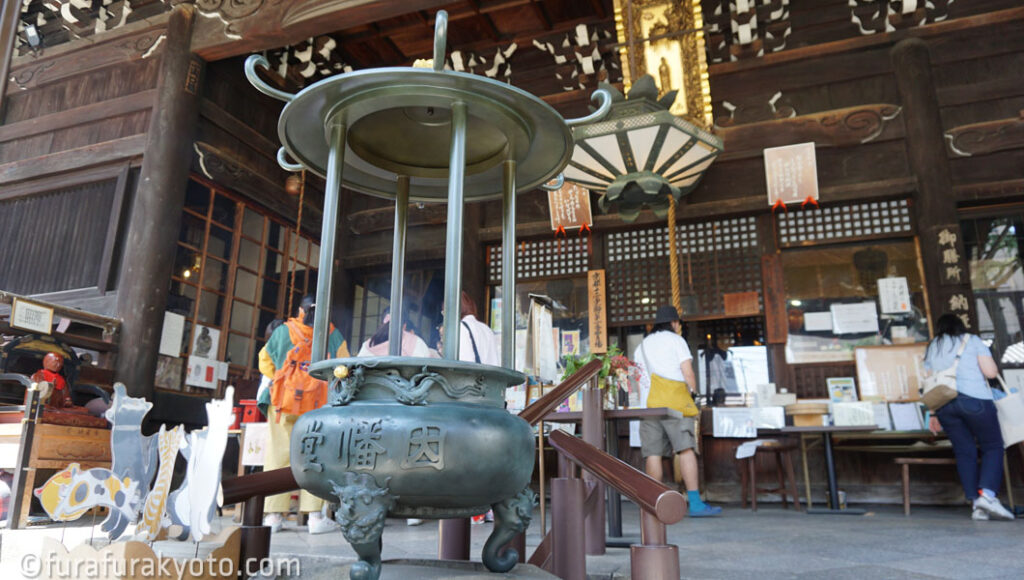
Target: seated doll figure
(50, 373)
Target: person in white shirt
(667, 366)
(477, 342)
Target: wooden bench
(906, 462)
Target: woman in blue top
(970, 419)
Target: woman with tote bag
(970, 419)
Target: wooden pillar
(10, 10)
(947, 279)
(156, 212)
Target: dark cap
(666, 313)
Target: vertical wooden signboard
(598, 310)
(570, 207)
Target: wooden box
(741, 303)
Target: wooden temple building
(138, 175)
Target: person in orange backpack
(285, 360)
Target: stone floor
(771, 543)
(767, 544)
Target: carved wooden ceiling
(546, 47)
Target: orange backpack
(294, 391)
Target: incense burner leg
(362, 510)
(511, 517)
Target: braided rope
(673, 256)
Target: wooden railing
(546, 404)
(653, 558)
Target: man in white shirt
(667, 364)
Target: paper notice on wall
(818, 321)
(170, 336)
(203, 372)
(893, 295)
(856, 318)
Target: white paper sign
(906, 416)
(769, 417)
(31, 317)
(882, 419)
(255, 443)
(854, 318)
(736, 422)
(847, 414)
(893, 295)
(202, 372)
(634, 433)
(170, 336)
(818, 321)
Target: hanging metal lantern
(640, 153)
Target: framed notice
(570, 207)
(31, 317)
(598, 307)
(791, 173)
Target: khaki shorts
(663, 437)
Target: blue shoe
(706, 512)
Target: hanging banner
(570, 207)
(598, 312)
(792, 174)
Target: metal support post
(398, 266)
(453, 241)
(325, 272)
(508, 268)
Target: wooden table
(826, 432)
(611, 441)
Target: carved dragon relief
(411, 391)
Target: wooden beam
(996, 89)
(992, 190)
(383, 218)
(125, 105)
(221, 167)
(245, 134)
(863, 42)
(144, 41)
(988, 137)
(62, 180)
(837, 128)
(220, 35)
(79, 158)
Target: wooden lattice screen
(715, 257)
(559, 257)
(854, 221)
(809, 380)
(733, 331)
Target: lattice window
(809, 381)
(854, 221)
(734, 331)
(714, 258)
(543, 259)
